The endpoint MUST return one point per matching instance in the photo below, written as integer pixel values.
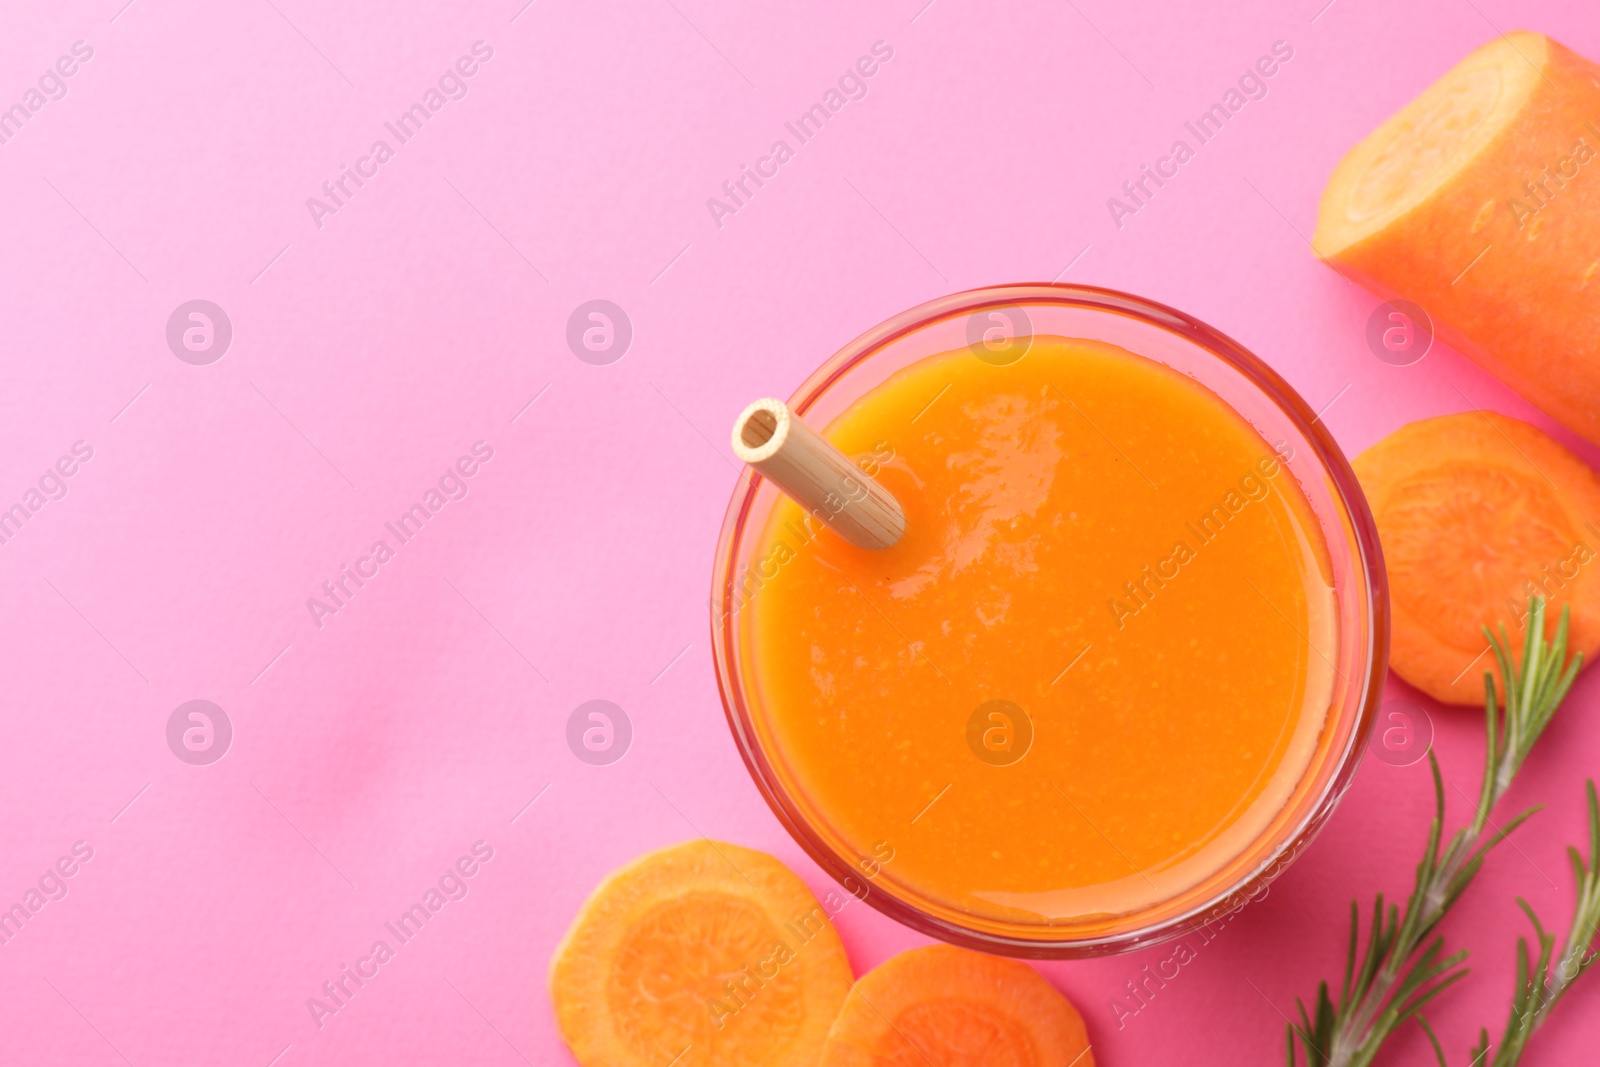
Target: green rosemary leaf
(1350, 953)
(1432, 1040)
(1481, 1049)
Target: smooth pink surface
(424, 316)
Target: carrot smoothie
(1092, 672)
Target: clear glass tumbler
(1256, 393)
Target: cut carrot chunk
(948, 1007)
(1476, 512)
(1480, 201)
(700, 955)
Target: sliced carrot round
(1476, 512)
(943, 1006)
(700, 955)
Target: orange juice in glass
(1122, 661)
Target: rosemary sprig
(1404, 966)
(1539, 986)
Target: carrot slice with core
(948, 1007)
(1476, 512)
(700, 955)
(1479, 201)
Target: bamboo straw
(779, 446)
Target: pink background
(429, 311)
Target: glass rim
(1345, 490)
